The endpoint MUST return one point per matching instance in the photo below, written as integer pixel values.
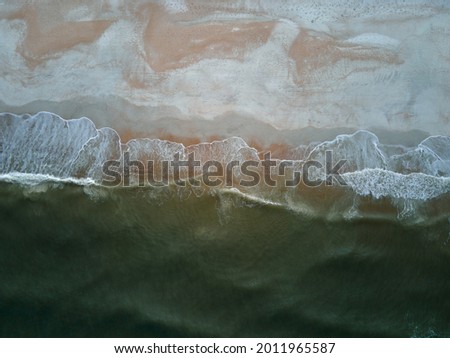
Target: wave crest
(52, 148)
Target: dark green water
(128, 264)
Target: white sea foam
(37, 179)
(374, 39)
(381, 183)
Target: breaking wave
(41, 148)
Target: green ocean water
(129, 262)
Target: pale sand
(293, 65)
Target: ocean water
(96, 97)
(80, 258)
(121, 262)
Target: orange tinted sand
(171, 43)
(314, 50)
(40, 43)
(127, 135)
(277, 150)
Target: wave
(45, 148)
(47, 144)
